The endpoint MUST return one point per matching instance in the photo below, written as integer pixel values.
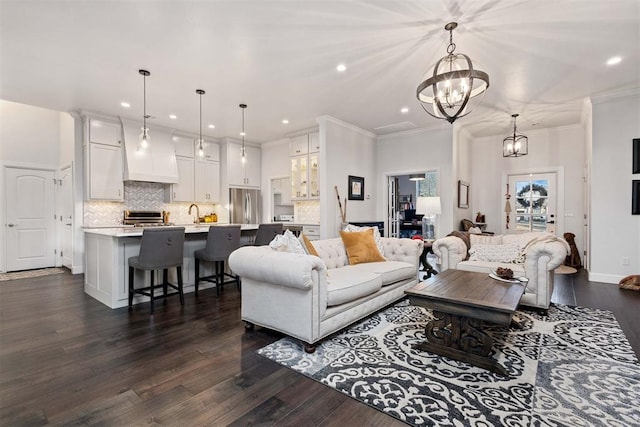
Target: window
(533, 200)
(428, 187)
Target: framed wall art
(636, 155)
(356, 187)
(463, 194)
(635, 197)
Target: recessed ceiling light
(173, 116)
(341, 68)
(125, 104)
(614, 60)
(242, 134)
(404, 110)
(212, 126)
(285, 121)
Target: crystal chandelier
(515, 145)
(144, 135)
(454, 87)
(200, 140)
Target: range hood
(156, 163)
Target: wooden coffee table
(461, 301)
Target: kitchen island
(107, 253)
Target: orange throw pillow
(311, 250)
(361, 247)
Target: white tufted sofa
(543, 253)
(309, 297)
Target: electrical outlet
(625, 260)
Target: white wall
(461, 171)
(418, 151)
(615, 233)
(345, 150)
(29, 135)
(275, 164)
(558, 150)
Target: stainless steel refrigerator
(244, 206)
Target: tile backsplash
(307, 212)
(141, 196)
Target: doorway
(66, 217)
(30, 241)
(403, 220)
(535, 202)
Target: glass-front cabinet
(299, 177)
(305, 175)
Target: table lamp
(430, 207)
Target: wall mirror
(463, 194)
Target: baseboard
(605, 278)
(77, 269)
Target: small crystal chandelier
(454, 86)
(200, 140)
(244, 152)
(144, 135)
(515, 145)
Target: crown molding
(611, 96)
(438, 126)
(323, 119)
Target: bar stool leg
(217, 278)
(197, 274)
(165, 279)
(151, 288)
(131, 274)
(180, 292)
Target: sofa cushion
(332, 252)
(287, 242)
(496, 253)
(349, 283)
(476, 239)
(390, 271)
(360, 246)
(307, 245)
(376, 234)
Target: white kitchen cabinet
(105, 172)
(211, 151)
(299, 145)
(311, 231)
(282, 187)
(314, 142)
(304, 169)
(183, 146)
(207, 181)
(184, 190)
(105, 132)
(243, 174)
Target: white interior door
(66, 216)
(533, 202)
(30, 238)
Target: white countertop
(137, 231)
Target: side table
(426, 250)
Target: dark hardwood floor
(67, 359)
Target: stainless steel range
(145, 219)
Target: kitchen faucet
(197, 221)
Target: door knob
(11, 225)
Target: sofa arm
(402, 249)
(551, 253)
(450, 251)
(264, 264)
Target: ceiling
(279, 57)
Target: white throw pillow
(495, 253)
(376, 235)
(287, 242)
(475, 239)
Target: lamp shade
(428, 206)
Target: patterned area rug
(26, 274)
(571, 367)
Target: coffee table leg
(460, 338)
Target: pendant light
(515, 145)
(144, 136)
(454, 86)
(200, 140)
(244, 152)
